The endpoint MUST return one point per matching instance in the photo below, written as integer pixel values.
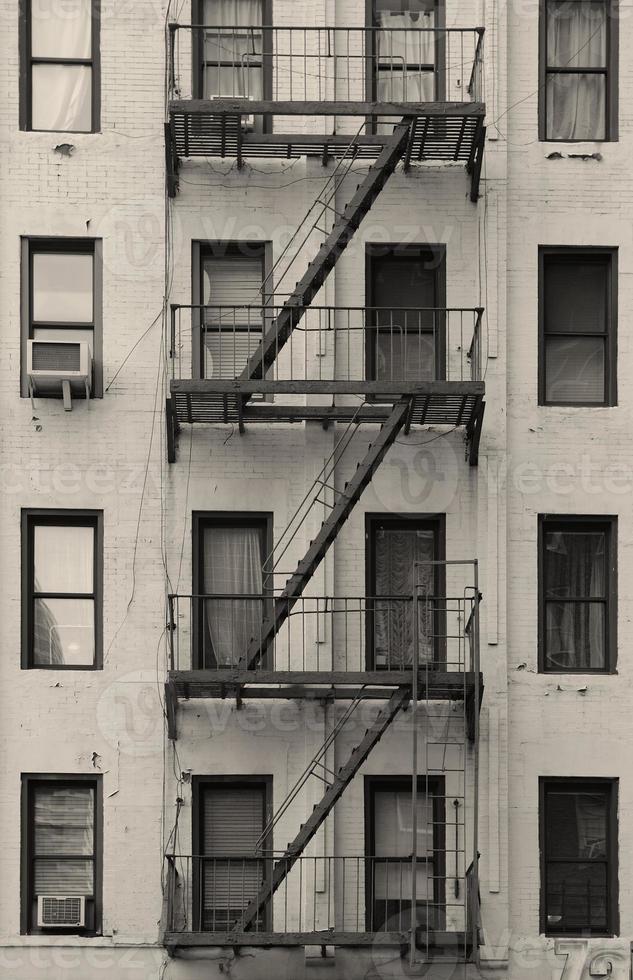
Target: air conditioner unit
(51, 363)
(61, 911)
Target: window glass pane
(399, 281)
(63, 632)
(575, 564)
(576, 34)
(236, 47)
(395, 551)
(233, 819)
(576, 896)
(64, 558)
(62, 287)
(576, 107)
(575, 294)
(575, 635)
(576, 825)
(402, 356)
(409, 86)
(75, 335)
(61, 30)
(61, 98)
(392, 823)
(233, 281)
(232, 565)
(237, 83)
(232, 13)
(63, 819)
(575, 370)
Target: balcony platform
(216, 401)
(439, 945)
(441, 131)
(321, 685)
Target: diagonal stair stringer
(336, 242)
(327, 533)
(399, 699)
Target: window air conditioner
(51, 363)
(61, 911)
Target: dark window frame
(584, 784)
(198, 785)
(580, 522)
(371, 77)
(30, 518)
(435, 252)
(198, 62)
(27, 61)
(201, 250)
(611, 72)
(29, 781)
(603, 253)
(229, 518)
(31, 245)
(434, 522)
(436, 787)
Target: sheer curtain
(232, 41)
(62, 93)
(403, 41)
(233, 566)
(576, 38)
(575, 570)
(395, 552)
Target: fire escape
(346, 75)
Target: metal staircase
(327, 533)
(337, 240)
(399, 699)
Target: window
(62, 555)
(393, 545)
(60, 66)
(61, 301)
(232, 54)
(61, 846)
(228, 283)
(578, 317)
(229, 553)
(578, 594)
(389, 848)
(229, 817)
(406, 344)
(579, 69)
(408, 54)
(579, 889)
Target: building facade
(315, 490)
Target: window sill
(109, 941)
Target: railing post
(414, 770)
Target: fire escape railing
(298, 63)
(322, 633)
(330, 343)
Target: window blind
(63, 840)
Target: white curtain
(395, 552)
(232, 566)
(61, 30)
(576, 38)
(403, 39)
(62, 98)
(232, 41)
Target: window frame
(422, 522)
(27, 61)
(434, 786)
(30, 781)
(202, 250)
(227, 518)
(582, 784)
(436, 253)
(32, 245)
(611, 71)
(580, 522)
(609, 254)
(30, 518)
(198, 785)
